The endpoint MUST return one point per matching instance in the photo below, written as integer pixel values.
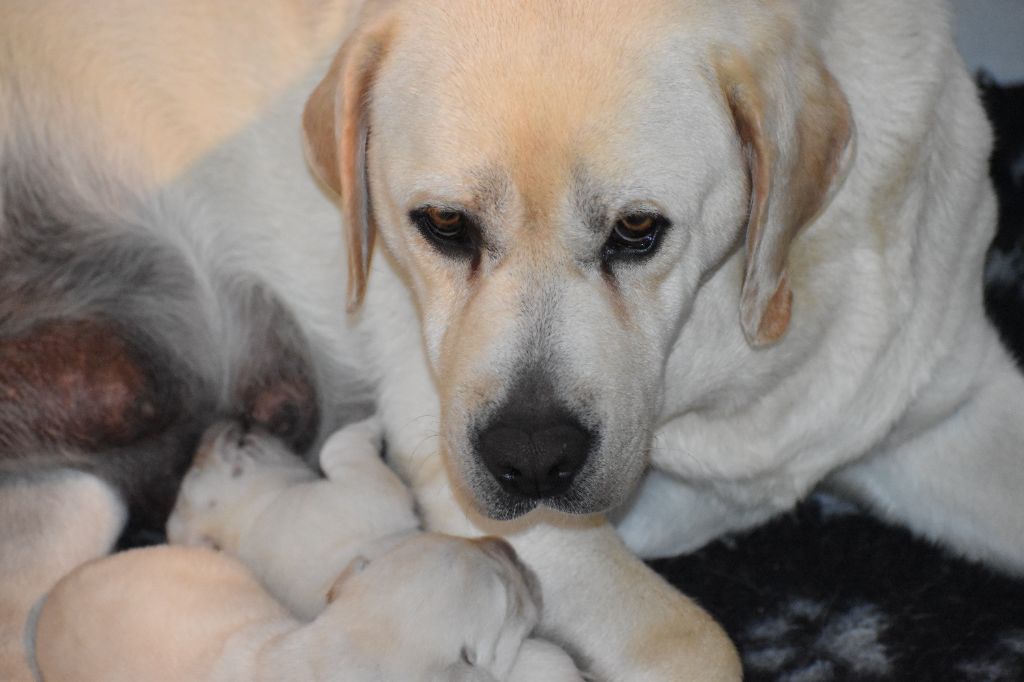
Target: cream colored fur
(51, 523)
(247, 495)
(184, 614)
(813, 316)
(250, 496)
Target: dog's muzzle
(533, 446)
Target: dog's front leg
(626, 622)
(619, 618)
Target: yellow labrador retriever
(737, 245)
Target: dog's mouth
(496, 503)
(490, 500)
(508, 508)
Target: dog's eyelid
(641, 220)
(639, 212)
(634, 235)
(444, 207)
(637, 205)
(452, 230)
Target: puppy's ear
(336, 131)
(796, 131)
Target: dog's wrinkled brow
(491, 188)
(589, 202)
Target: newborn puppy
(250, 496)
(50, 524)
(434, 608)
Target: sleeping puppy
(51, 523)
(250, 496)
(190, 614)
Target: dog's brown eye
(634, 234)
(637, 224)
(450, 231)
(445, 223)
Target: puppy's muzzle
(533, 446)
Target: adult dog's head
(557, 180)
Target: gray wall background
(990, 34)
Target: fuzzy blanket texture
(827, 592)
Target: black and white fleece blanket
(826, 592)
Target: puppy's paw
(358, 442)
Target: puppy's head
(557, 181)
(230, 467)
(441, 602)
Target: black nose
(532, 448)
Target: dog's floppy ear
(796, 130)
(336, 130)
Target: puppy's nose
(534, 449)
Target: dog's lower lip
(566, 505)
(509, 510)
